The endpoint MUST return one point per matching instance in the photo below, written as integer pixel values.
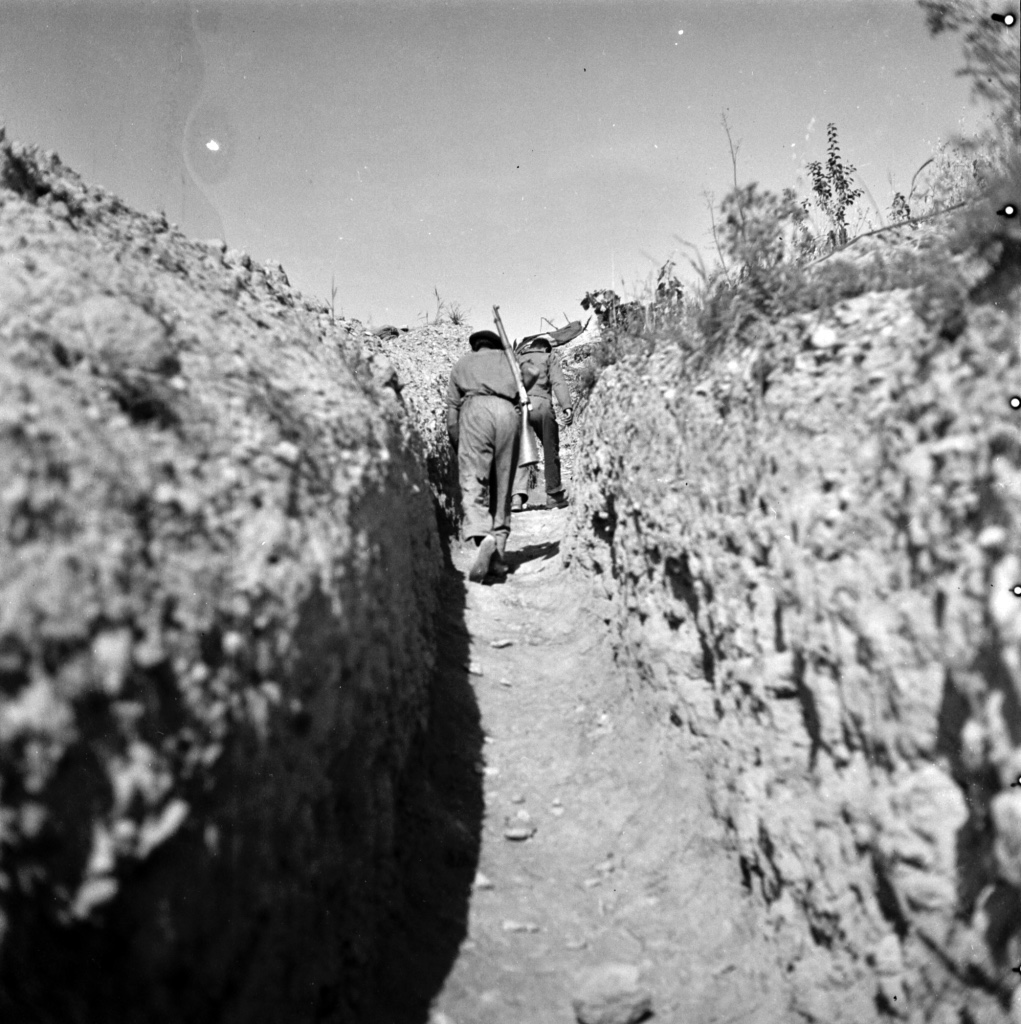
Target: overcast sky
(510, 153)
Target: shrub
(993, 63)
(991, 55)
(765, 239)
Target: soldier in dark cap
(484, 426)
(536, 355)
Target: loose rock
(611, 994)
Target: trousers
(487, 459)
(543, 420)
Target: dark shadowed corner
(438, 832)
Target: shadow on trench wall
(438, 835)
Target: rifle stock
(529, 452)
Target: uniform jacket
(550, 377)
(485, 372)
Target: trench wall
(811, 551)
(418, 362)
(218, 562)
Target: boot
(480, 567)
(557, 500)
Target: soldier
(484, 426)
(537, 356)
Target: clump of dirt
(218, 577)
(811, 550)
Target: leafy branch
(834, 189)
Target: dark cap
(484, 339)
(536, 343)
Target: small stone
(164, 494)
(611, 994)
(491, 772)
(475, 668)
(505, 682)
(287, 452)
(523, 816)
(233, 643)
(556, 802)
(575, 944)
(520, 926)
(518, 798)
(519, 833)
(482, 882)
(149, 652)
(992, 538)
(111, 651)
(824, 337)
(974, 743)
(500, 643)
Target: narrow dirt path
(626, 863)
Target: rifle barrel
(522, 393)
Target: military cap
(484, 339)
(536, 343)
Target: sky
(494, 152)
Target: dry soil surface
(626, 864)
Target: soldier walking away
(484, 427)
(537, 357)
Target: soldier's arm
(455, 398)
(560, 388)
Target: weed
(333, 298)
(771, 262)
(832, 185)
(900, 211)
(765, 239)
(447, 312)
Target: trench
(537, 729)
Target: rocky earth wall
(218, 561)
(420, 360)
(812, 552)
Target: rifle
(529, 454)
